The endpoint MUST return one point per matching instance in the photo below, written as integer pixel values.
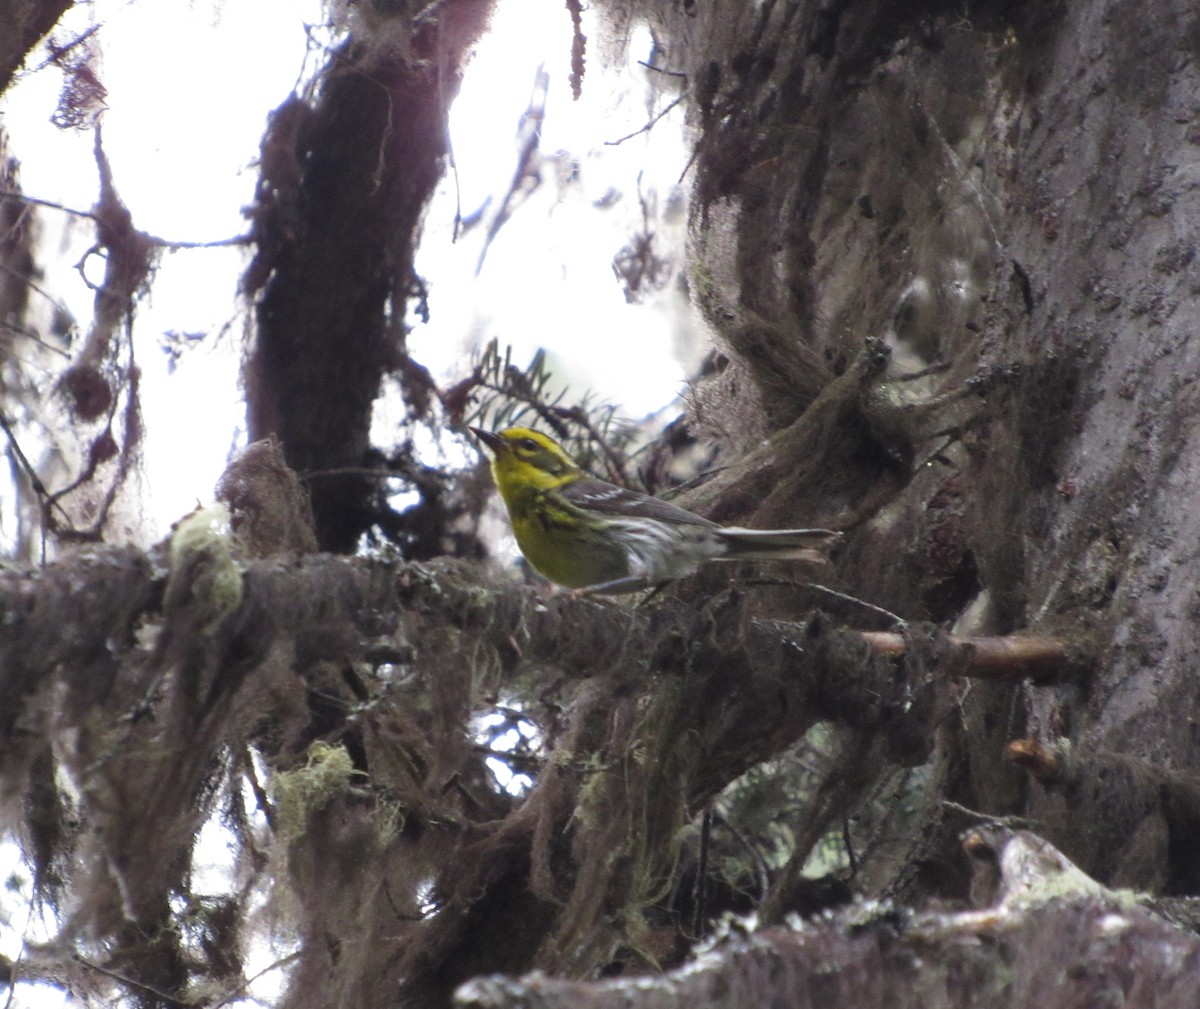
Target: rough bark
(996, 190)
(1073, 954)
(1045, 934)
(24, 25)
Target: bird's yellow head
(526, 461)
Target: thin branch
(762, 869)
(894, 619)
(1011, 822)
(848, 843)
(378, 474)
(164, 243)
(35, 481)
(291, 957)
(34, 286)
(521, 763)
(700, 889)
(661, 70)
(650, 125)
(578, 48)
(215, 243)
(57, 52)
(129, 982)
(35, 201)
(525, 178)
(28, 334)
(690, 161)
(45, 498)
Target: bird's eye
(529, 445)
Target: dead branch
(1013, 657)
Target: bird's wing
(609, 499)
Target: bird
(594, 537)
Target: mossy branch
(53, 623)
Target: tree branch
(900, 962)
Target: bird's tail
(777, 544)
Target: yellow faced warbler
(588, 534)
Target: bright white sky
(182, 139)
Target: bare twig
(662, 70)
(250, 980)
(894, 619)
(1012, 822)
(650, 125)
(154, 240)
(129, 982)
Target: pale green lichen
(204, 572)
(301, 792)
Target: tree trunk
(1005, 192)
(345, 180)
(24, 25)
